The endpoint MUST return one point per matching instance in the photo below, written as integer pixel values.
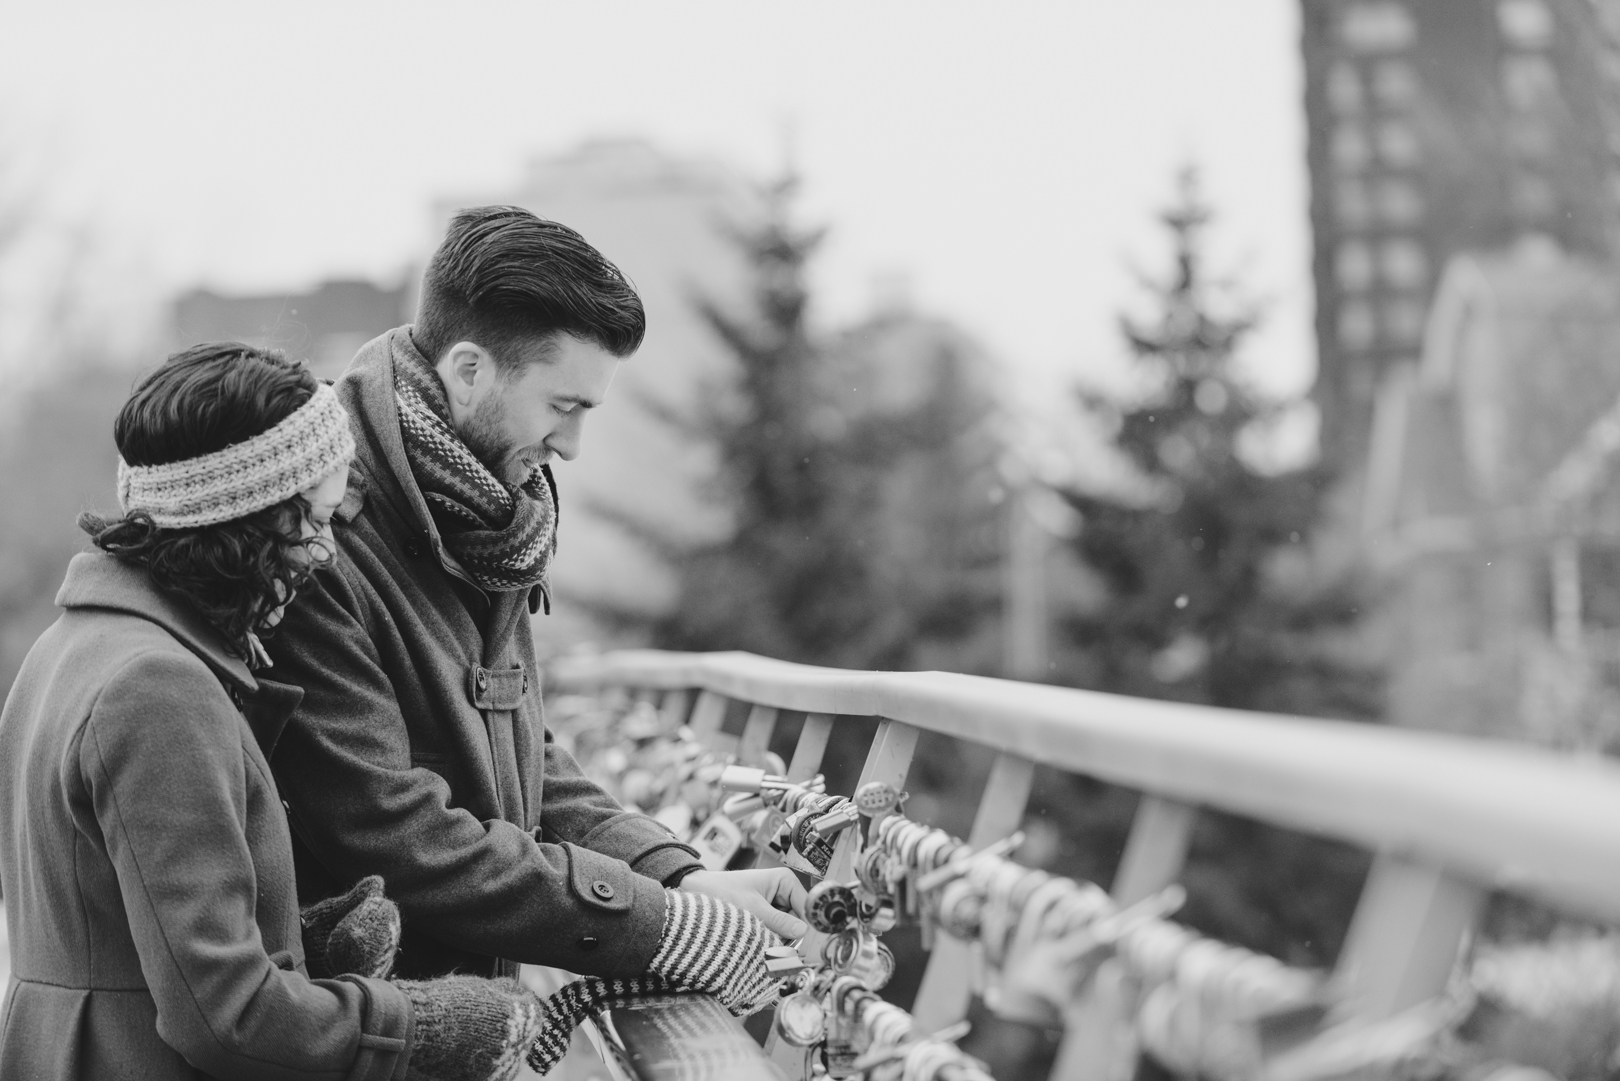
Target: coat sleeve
(578, 811)
(162, 762)
(361, 805)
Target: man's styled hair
(504, 278)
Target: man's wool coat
(147, 866)
(419, 750)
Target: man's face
(538, 410)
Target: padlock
(871, 868)
(876, 797)
(764, 828)
(717, 840)
(878, 916)
(809, 851)
(837, 820)
(801, 1020)
(830, 906)
(959, 906)
(857, 953)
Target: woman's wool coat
(147, 867)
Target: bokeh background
(1261, 354)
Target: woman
(144, 852)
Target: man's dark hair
(504, 278)
(201, 400)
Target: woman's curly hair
(235, 573)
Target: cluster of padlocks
(1199, 1007)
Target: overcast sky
(1004, 157)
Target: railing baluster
(707, 717)
(947, 984)
(1098, 1040)
(1156, 849)
(672, 709)
(889, 760)
(1404, 939)
(811, 748)
(756, 735)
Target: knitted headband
(309, 443)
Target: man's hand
(765, 892)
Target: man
(418, 751)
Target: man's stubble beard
(482, 433)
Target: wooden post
(1404, 939)
(756, 736)
(947, 985)
(1098, 1043)
(889, 760)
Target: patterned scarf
(503, 535)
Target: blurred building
(1437, 126)
(1493, 503)
(326, 325)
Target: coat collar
(100, 580)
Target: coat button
(602, 889)
(588, 942)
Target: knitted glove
(565, 1009)
(709, 945)
(469, 1028)
(356, 933)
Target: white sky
(1005, 157)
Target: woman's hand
(772, 894)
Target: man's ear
(468, 373)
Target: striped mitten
(565, 1009)
(712, 946)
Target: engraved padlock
(830, 906)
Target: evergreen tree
(819, 566)
(1196, 610)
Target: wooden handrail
(1504, 815)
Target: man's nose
(564, 442)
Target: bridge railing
(1448, 819)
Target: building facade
(325, 325)
(1438, 126)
